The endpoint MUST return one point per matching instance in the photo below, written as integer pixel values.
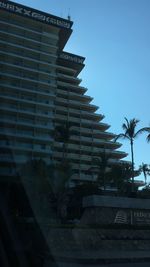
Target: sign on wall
(133, 217)
(35, 14)
(141, 217)
(72, 58)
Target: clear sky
(114, 36)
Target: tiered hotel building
(40, 89)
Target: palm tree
(130, 133)
(102, 165)
(146, 171)
(60, 186)
(62, 134)
(48, 183)
(36, 179)
(120, 175)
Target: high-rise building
(40, 90)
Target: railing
(29, 58)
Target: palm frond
(133, 125)
(145, 129)
(124, 127)
(135, 121)
(145, 169)
(129, 127)
(148, 138)
(127, 121)
(119, 136)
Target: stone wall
(116, 202)
(115, 210)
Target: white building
(40, 89)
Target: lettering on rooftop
(35, 14)
(73, 58)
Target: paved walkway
(59, 264)
(101, 254)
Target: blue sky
(114, 36)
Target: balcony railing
(73, 103)
(85, 123)
(27, 124)
(28, 79)
(79, 113)
(22, 37)
(20, 56)
(34, 70)
(40, 91)
(49, 106)
(38, 33)
(6, 108)
(75, 96)
(69, 78)
(30, 49)
(75, 88)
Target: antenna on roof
(61, 13)
(69, 17)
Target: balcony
(28, 73)
(50, 48)
(85, 123)
(71, 87)
(16, 55)
(15, 25)
(20, 148)
(106, 143)
(93, 132)
(84, 177)
(119, 154)
(26, 136)
(40, 92)
(20, 159)
(49, 106)
(86, 144)
(85, 158)
(27, 124)
(73, 156)
(96, 144)
(81, 114)
(76, 104)
(5, 108)
(27, 147)
(67, 69)
(81, 167)
(75, 96)
(27, 79)
(69, 79)
(34, 70)
(29, 49)
(92, 150)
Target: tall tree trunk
(64, 151)
(145, 177)
(132, 159)
(104, 181)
